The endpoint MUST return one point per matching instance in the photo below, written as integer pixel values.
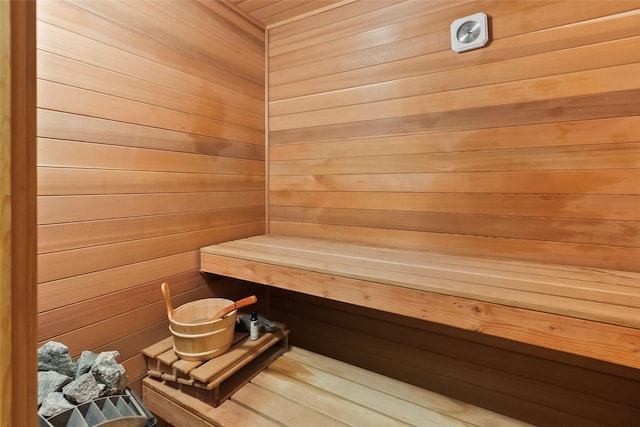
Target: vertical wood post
(18, 366)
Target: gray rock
(84, 362)
(82, 389)
(54, 404)
(54, 356)
(49, 382)
(108, 372)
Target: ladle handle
(167, 299)
(228, 309)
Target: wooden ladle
(228, 309)
(167, 300)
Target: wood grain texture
(590, 312)
(539, 386)
(18, 384)
(150, 145)
(318, 390)
(377, 128)
(275, 12)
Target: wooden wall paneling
(110, 328)
(595, 256)
(377, 27)
(80, 101)
(58, 293)
(18, 388)
(229, 28)
(359, 58)
(616, 181)
(546, 391)
(72, 154)
(501, 151)
(89, 19)
(520, 45)
(151, 145)
(60, 125)
(599, 131)
(66, 43)
(83, 313)
(74, 73)
(79, 234)
(585, 83)
(56, 209)
(572, 109)
(597, 232)
(65, 181)
(590, 157)
(542, 205)
(605, 54)
(58, 265)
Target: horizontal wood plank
(68, 181)
(620, 208)
(585, 157)
(70, 154)
(66, 126)
(76, 235)
(125, 33)
(64, 42)
(59, 209)
(520, 44)
(616, 182)
(74, 73)
(582, 255)
(56, 96)
(592, 232)
(59, 265)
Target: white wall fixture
(470, 32)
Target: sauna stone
(54, 356)
(83, 389)
(53, 404)
(109, 372)
(95, 375)
(49, 382)
(85, 362)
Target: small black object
(264, 324)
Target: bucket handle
(236, 305)
(167, 300)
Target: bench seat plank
(575, 298)
(591, 312)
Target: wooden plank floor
(302, 388)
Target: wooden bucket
(194, 337)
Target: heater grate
(114, 411)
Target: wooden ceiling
(269, 12)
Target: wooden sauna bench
(579, 310)
(306, 389)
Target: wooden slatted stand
(213, 381)
(585, 311)
(302, 388)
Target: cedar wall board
(527, 148)
(150, 146)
